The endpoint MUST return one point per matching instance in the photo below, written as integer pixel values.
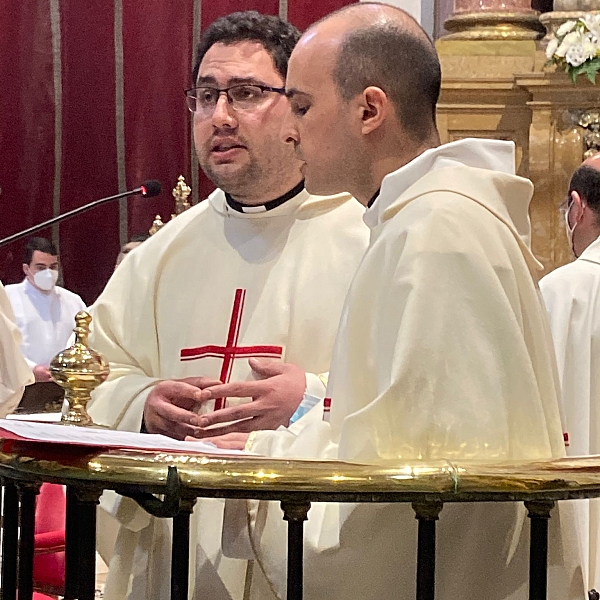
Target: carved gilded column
(556, 149)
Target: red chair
(49, 546)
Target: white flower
(571, 39)
(592, 22)
(589, 46)
(575, 55)
(565, 28)
(551, 48)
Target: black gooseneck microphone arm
(148, 189)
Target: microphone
(148, 189)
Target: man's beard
(238, 182)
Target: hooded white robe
(443, 351)
(209, 290)
(572, 296)
(15, 374)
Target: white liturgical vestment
(14, 372)
(211, 289)
(572, 296)
(443, 352)
(46, 320)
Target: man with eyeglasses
(246, 288)
(572, 296)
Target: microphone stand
(67, 215)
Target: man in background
(45, 315)
(246, 287)
(132, 244)
(15, 374)
(572, 296)
(443, 351)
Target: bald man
(443, 351)
(572, 295)
(14, 372)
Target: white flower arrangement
(575, 47)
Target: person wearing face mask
(44, 312)
(572, 297)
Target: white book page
(60, 434)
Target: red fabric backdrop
(91, 102)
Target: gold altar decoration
(79, 370)
(180, 192)
(157, 225)
(590, 121)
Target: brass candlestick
(79, 370)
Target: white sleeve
(15, 373)
(123, 330)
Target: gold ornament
(79, 370)
(157, 225)
(181, 192)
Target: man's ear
(374, 108)
(26, 269)
(577, 209)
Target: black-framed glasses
(203, 100)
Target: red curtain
(91, 103)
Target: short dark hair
(277, 37)
(139, 237)
(403, 64)
(586, 182)
(41, 244)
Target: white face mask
(45, 279)
(570, 229)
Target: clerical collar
(232, 203)
(373, 198)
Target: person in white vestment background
(132, 244)
(15, 373)
(572, 296)
(443, 351)
(45, 315)
(246, 286)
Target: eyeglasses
(203, 100)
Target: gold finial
(590, 121)
(79, 370)
(157, 224)
(181, 192)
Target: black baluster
(27, 495)
(539, 513)
(295, 513)
(427, 513)
(10, 536)
(180, 551)
(80, 546)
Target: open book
(54, 433)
